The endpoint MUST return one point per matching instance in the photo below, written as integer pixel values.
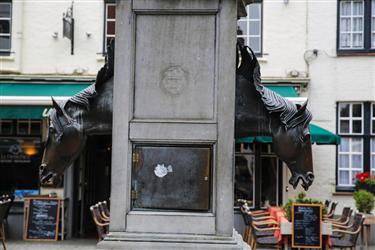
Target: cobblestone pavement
(76, 244)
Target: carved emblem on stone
(161, 170)
(174, 80)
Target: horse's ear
(57, 107)
(301, 108)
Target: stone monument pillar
(173, 125)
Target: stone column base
(145, 241)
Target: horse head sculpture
(65, 141)
(87, 112)
(260, 111)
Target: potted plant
(301, 199)
(364, 181)
(364, 201)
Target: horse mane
(275, 103)
(82, 98)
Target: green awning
(44, 90)
(41, 89)
(21, 112)
(285, 91)
(319, 136)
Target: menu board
(306, 223)
(41, 219)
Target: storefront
(23, 107)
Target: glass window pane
(373, 126)
(357, 110)
(357, 161)
(357, 126)
(254, 44)
(344, 145)
(344, 177)
(344, 161)
(111, 28)
(254, 28)
(111, 12)
(5, 9)
(243, 27)
(5, 26)
(5, 43)
(373, 162)
(254, 11)
(244, 178)
(344, 126)
(35, 128)
(22, 127)
(373, 145)
(6, 127)
(345, 8)
(344, 40)
(357, 40)
(358, 8)
(345, 24)
(344, 109)
(356, 145)
(358, 24)
(269, 177)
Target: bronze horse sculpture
(259, 111)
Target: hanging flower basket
(365, 181)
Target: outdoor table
(286, 230)
(366, 229)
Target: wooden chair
(4, 209)
(331, 211)
(348, 238)
(343, 219)
(263, 237)
(101, 226)
(102, 212)
(326, 203)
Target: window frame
(367, 31)
(247, 20)
(366, 137)
(105, 20)
(6, 52)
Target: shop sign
(19, 150)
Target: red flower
(362, 177)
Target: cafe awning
(29, 100)
(319, 135)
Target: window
(356, 153)
(257, 175)
(28, 127)
(6, 127)
(251, 27)
(356, 26)
(5, 27)
(109, 23)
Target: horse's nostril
(42, 167)
(310, 176)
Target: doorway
(92, 183)
(258, 175)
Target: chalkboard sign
(41, 218)
(306, 222)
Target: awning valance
(319, 136)
(30, 100)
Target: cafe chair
(101, 225)
(348, 237)
(4, 209)
(103, 211)
(331, 211)
(264, 241)
(326, 203)
(343, 219)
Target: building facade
(321, 50)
